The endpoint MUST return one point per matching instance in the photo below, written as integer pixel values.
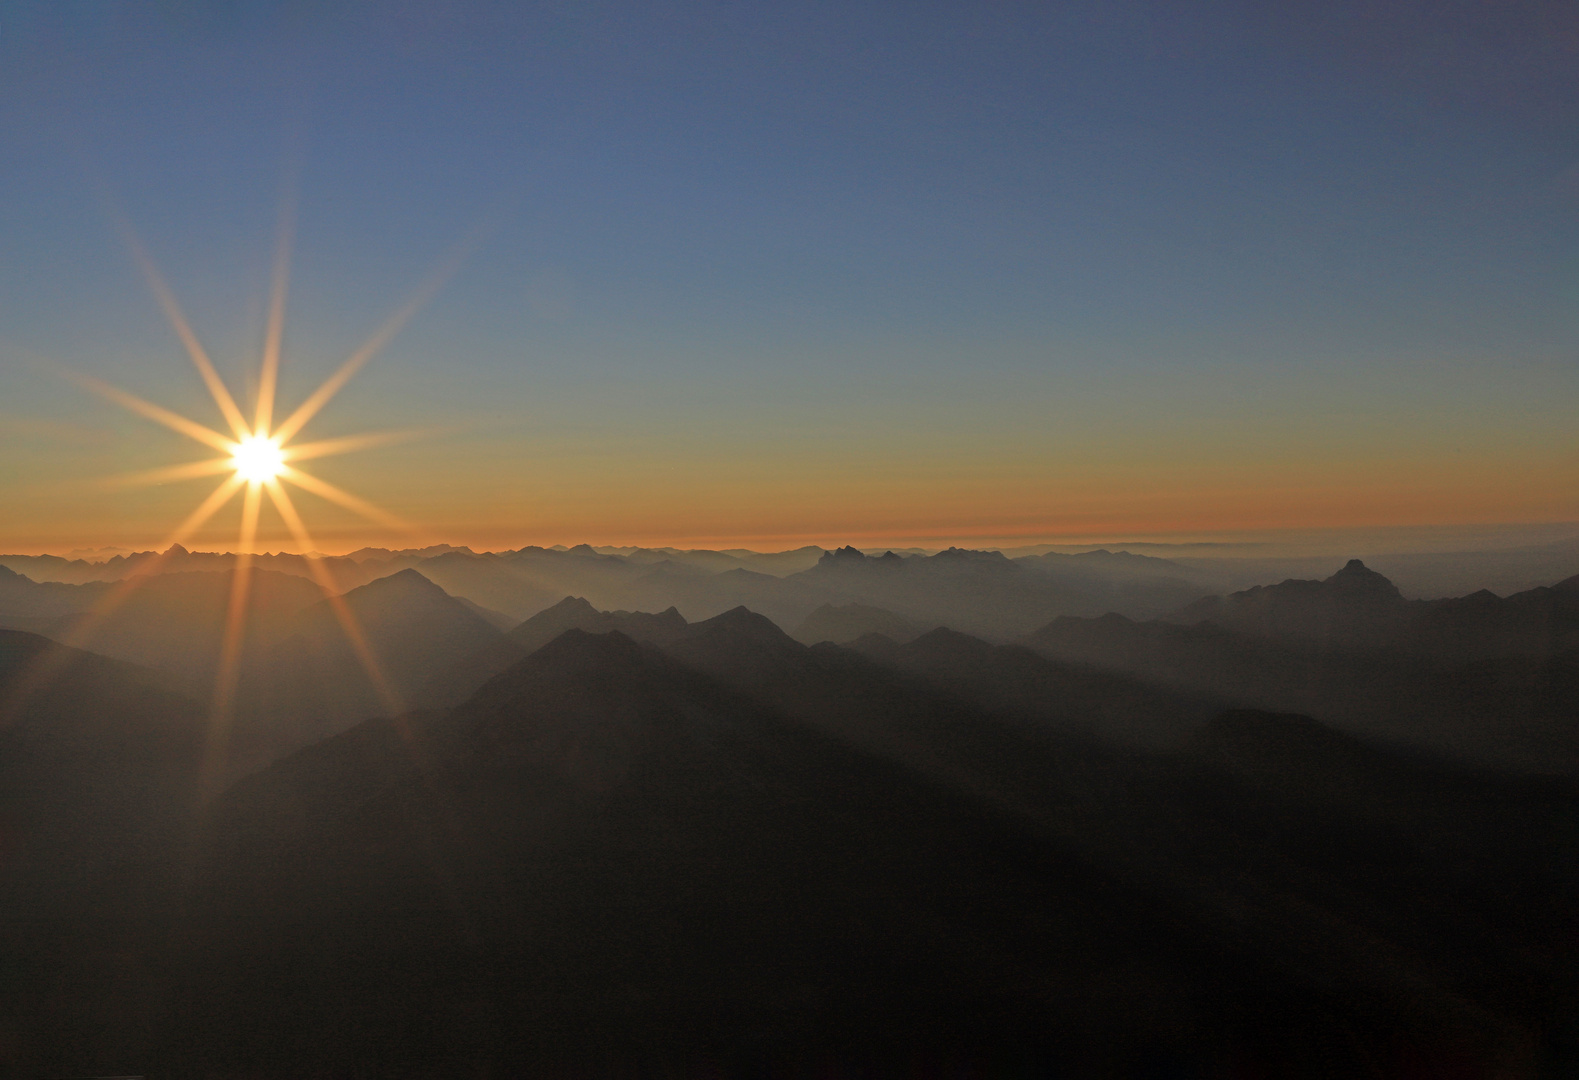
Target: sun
(258, 459)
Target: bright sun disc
(258, 459)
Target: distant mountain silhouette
(981, 592)
(1482, 678)
(1357, 609)
(575, 613)
(1356, 606)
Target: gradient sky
(771, 274)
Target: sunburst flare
(258, 458)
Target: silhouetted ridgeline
(1481, 678)
(609, 841)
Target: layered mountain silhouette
(843, 623)
(176, 621)
(1310, 829)
(739, 853)
(46, 607)
(1482, 677)
(979, 592)
(575, 613)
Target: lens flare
(256, 456)
(258, 459)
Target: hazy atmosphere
(789, 540)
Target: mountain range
(1481, 677)
(619, 841)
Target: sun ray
(349, 443)
(190, 471)
(229, 672)
(268, 378)
(381, 337)
(256, 458)
(326, 490)
(183, 329)
(160, 415)
(342, 611)
(81, 633)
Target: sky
(753, 274)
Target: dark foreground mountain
(100, 773)
(732, 854)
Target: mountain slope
(100, 771)
(175, 622)
(738, 854)
(430, 649)
(43, 607)
(575, 613)
(843, 623)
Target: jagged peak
(175, 549)
(1356, 575)
(569, 604)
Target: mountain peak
(175, 549)
(402, 587)
(584, 646)
(570, 605)
(742, 620)
(402, 579)
(1357, 577)
(944, 640)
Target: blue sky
(851, 270)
